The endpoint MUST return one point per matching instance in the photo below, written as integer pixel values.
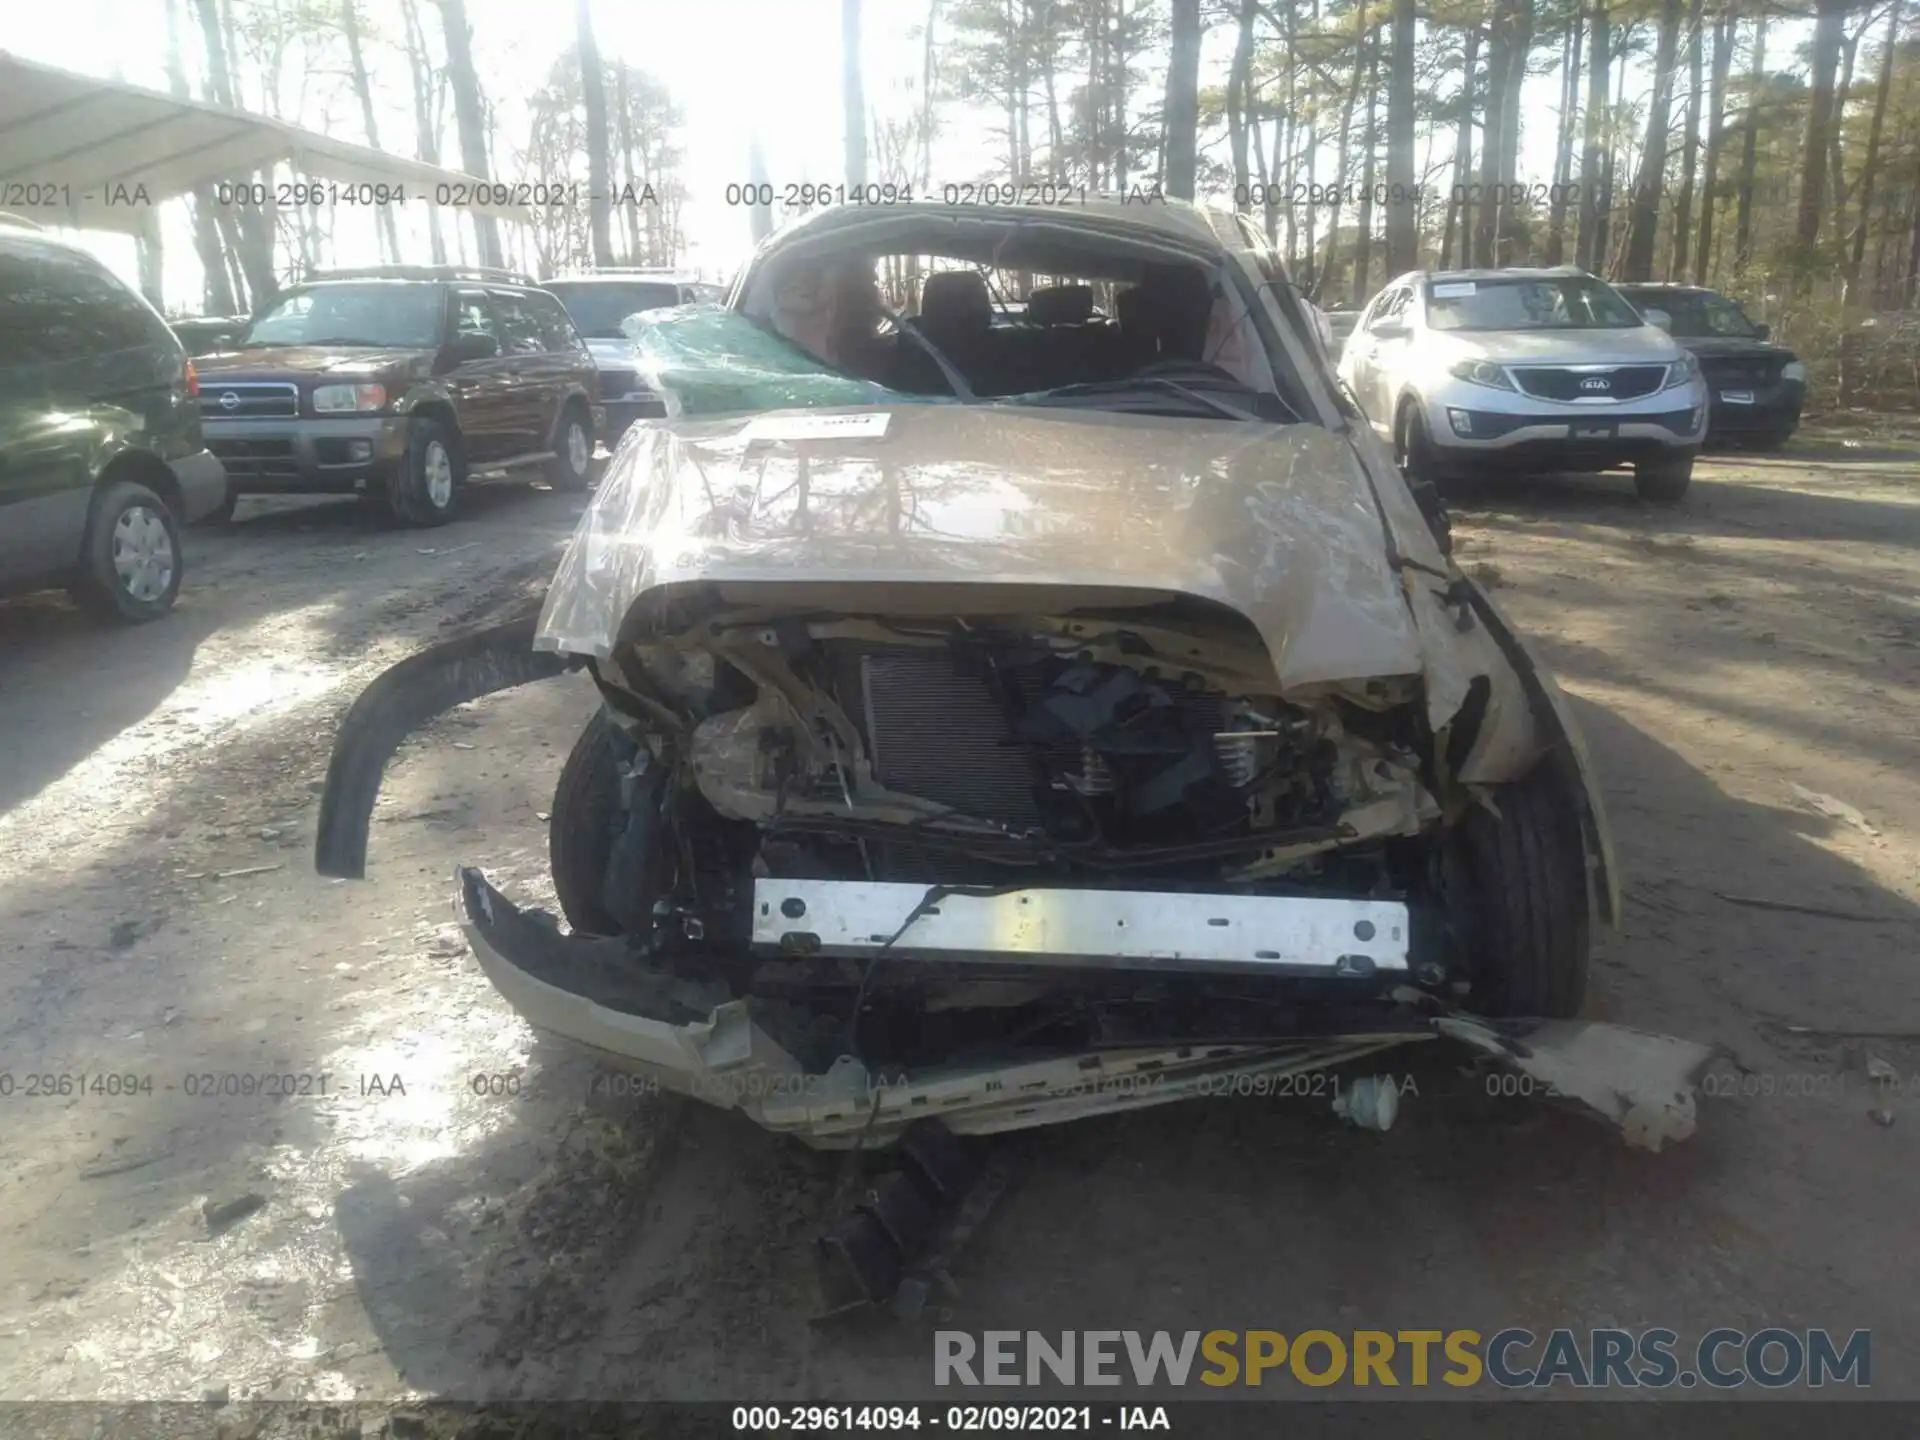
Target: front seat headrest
(954, 304)
(1060, 305)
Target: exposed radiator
(942, 735)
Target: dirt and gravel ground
(389, 1230)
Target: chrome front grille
(248, 400)
(1588, 382)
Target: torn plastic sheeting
(710, 360)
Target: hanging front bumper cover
(697, 1040)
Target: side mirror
(1762, 331)
(1659, 319)
(462, 348)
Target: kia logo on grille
(1592, 382)
(229, 400)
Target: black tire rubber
(407, 490)
(1522, 906)
(1414, 449)
(98, 588)
(560, 472)
(1663, 482)
(580, 830)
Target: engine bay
(916, 760)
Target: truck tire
(1519, 900)
(424, 488)
(130, 558)
(580, 830)
(1663, 482)
(572, 464)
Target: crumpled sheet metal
(1641, 1083)
(1279, 524)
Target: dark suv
(599, 301)
(101, 459)
(398, 381)
(1755, 388)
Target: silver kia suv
(1472, 371)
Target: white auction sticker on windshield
(1452, 289)
(818, 427)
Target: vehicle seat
(956, 314)
(1165, 316)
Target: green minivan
(101, 457)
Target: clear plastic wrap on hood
(956, 506)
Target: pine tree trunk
(593, 99)
(1837, 177)
(363, 91)
(1589, 251)
(216, 292)
(1815, 162)
(1492, 161)
(248, 227)
(1403, 214)
(426, 140)
(1119, 56)
(1870, 167)
(1644, 218)
(1239, 97)
(1689, 149)
(1749, 147)
(1340, 160)
(1519, 47)
(470, 116)
(1459, 215)
(623, 126)
(1570, 54)
(1723, 32)
(1363, 230)
(1183, 100)
(1310, 248)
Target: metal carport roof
(67, 141)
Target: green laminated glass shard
(709, 360)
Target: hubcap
(142, 553)
(439, 475)
(577, 454)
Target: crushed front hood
(1277, 523)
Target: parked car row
(396, 383)
(1467, 372)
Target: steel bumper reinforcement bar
(1083, 929)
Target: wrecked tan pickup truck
(1030, 707)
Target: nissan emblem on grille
(229, 401)
(1596, 382)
